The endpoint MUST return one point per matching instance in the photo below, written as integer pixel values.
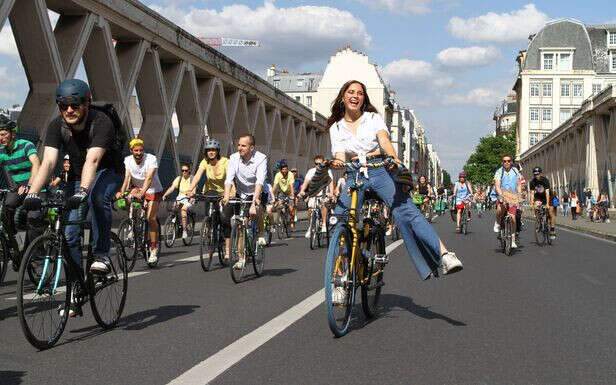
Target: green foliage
(446, 179)
(482, 164)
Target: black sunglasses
(507, 161)
(65, 106)
(184, 170)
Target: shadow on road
(8, 312)
(278, 272)
(9, 377)
(393, 302)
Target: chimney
(271, 72)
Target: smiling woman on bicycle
(357, 131)
(215, 168)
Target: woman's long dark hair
(338, 104)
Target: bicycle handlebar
(356, 165)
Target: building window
(547, 115)
(533, 138)
(564, 62)
(298, 98)
(565, 113)
(534, 89)
(300, 82)
(612, 38)
(276, 83)
(596, 88)
(547, 89)
(565, 89)
(578, 89)
(309, 101)
(548, 61)
(613, 61)
(534, 114)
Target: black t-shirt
(65, 176)
(103, 135)
(440, 191)
(540, 186)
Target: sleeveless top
(422, 189)
(462, 192)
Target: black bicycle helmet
(212, 144)
(7, 124)
(537, 170)
(73, 90)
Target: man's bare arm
(50, 157)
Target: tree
(446, 179)
(486, 159)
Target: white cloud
(483, 97)
(7, 42)
(408, 69)
(292, 36)
(468, 56)
(412, 7)
(499, 27)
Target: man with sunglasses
(88, 136)
(508, 186)
(142, 178)
(183, 183)
(312, 202)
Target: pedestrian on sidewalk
(574, 205)
(565, 203)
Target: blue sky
(451, 61)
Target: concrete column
(218, 122)
(5, 8)
(591, 158)
(190, 117)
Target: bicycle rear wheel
(190, 230)
(464, 221)
(205, 246)
(39, 305)
(108, 292)
(546, 230)
(127, 237)
(371, 288)
(237, 274)
(340, 281)
(169, 227)
(285, 223)
(313, 231)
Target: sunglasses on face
(184, 170)
(506, 161)
(65, 106)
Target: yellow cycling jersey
(216, 175)
(284, 184)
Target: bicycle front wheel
(108, 292)
(127, 237)
(539, 234)
(190, 230)
(258, 260)
(4, 258)
(205, 247)
(371, 288)
(509, 231)
(169, 228)
(339, 281)
(312, 228)
(41, 307)
(236, 269)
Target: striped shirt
(16, 164)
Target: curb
(599, 234)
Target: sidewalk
(584, 225)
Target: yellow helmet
(135, 142)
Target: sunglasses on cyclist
(507, 161)
(184, 170)
(65, 106)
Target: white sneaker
(496, 227)
(307, 236)
(153, 258)
(388, 232)
(184, 234)
(607, 221)
(323, 229)
(513, 245)
(239, 265)
(338, 295)
(450, 263)
(261, 241)
(100, 266)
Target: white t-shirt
(311, 173)
(364, 142)
(138, 172)
(341, 183)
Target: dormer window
(611, 39)
(548, 61)
(560, 59)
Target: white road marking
(212, 367)
(591, 279)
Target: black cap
(537, 170)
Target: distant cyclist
(142, 178)
(63, 177)
(463, 191)
(508, 188)
(284, 183)
(183, 184)
(424, 189)
(312, 202)
(540, 194)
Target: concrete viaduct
(168, 69)
(581, 152)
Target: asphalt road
(545, 315)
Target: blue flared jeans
(420, 239)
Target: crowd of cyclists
(94, 174)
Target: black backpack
(119, 142)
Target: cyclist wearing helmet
(215, 168)
(284, 182)
(64, 176)
(463, 191)
(142, 177)
(540, 195)
(20, 163)
(90, 142)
